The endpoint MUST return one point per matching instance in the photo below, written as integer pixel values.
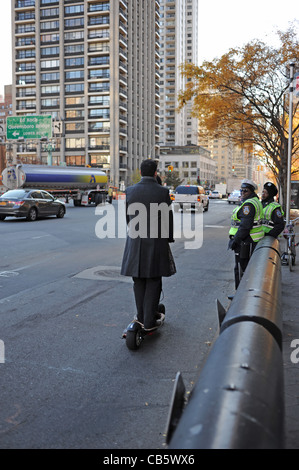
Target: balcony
(24, 3)
(99, 147)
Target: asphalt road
(68, 381)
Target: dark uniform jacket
(246, 215)
(276, 218)
(149, 255)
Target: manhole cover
(108, 273)
(104, 273)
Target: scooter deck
(135, 331)
(145, 332)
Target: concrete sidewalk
(290, 309)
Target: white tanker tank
(82, 184)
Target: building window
(49, 103)
(49, 25)
(75, 160)
(75, 143)
(74, 62)
(73, 35)
(74, 100)
(74, 114)
(74, 88)
(74, 127)
(74, 9)
(74, 23)
(48, 90)
(49, 64)
(46, 51)
(74, 75)
(50, 77)
(49, 12)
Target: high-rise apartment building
(5, 111)
(179, 44)
(6, 103)
(94, 66)
(231, 160)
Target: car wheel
(32, 214)
(98, 199)
(207, 208)
(60, 213)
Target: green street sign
(28, 127)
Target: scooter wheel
(134, 338)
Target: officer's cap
(248, 184)
(271, 188)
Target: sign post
(28, 127)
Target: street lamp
(290, 142)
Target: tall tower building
(94, 66)
(179, 44)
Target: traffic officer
(273, 220)
(246, 227)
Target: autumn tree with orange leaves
(244, 97)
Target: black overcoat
(148, 254)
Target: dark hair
(148, 167)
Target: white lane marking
(8, 273)
(40, 236)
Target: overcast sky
(223, 24)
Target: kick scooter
(135, 332)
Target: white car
(190, 196)
(234, 197)
(215, 195)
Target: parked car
(30, 203)
(192, 196)
(215, 195)
(234, 197)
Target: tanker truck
(83, 185)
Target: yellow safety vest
(256, 232)
(267, 214)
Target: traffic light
(170, 168)
(233, 168)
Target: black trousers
(147, 293)
(242, 257)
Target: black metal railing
(238, 400)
